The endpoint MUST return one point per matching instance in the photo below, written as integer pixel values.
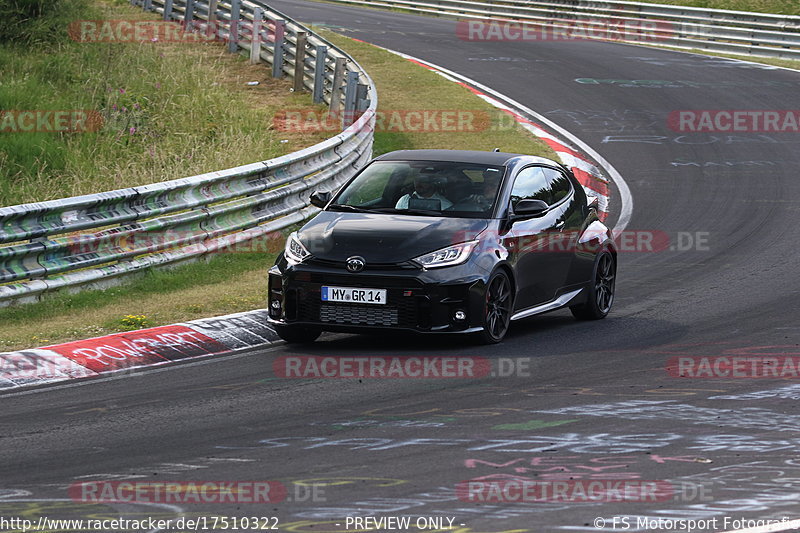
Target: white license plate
(354, 295)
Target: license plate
(354, 295)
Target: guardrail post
(336, 87)
(319, 74)
(233, 34)
(213, 27)
(350, 98)
(300, 61)
(188, 15)
(362, 102)
(255, 39)
(167, 9)
(147, 5)
(277, 49)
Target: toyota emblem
(355, 264)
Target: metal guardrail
(93, 239)
(735, 32)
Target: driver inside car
(491, 180)
(424, 189)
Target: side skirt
(561, 301)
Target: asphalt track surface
(597, 402)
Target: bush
(28, 22)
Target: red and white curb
(135, 349)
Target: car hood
(384, 238)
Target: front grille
(304, 304)
(359, 314)
(405, 265)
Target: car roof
(461, 156)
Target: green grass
(235, 282)
(170, 110)
(780, 7)
(39, 22)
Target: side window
(531, 184)
(559, 184)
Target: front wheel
(497, 308)
(601, 291)
(297, 334)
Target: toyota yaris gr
(444, 241)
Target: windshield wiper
(345, 207)
(423, 212)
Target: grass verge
(237, 282)
(169, 110)
(779, 7)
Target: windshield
(435, 188)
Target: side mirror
(530, 208)
(320, 198)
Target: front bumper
(417, 300)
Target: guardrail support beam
(188, 15)
(300, 61)
(319, 74)
(255, 39)
(351, 88)
(277, 49)
(336, 87)
(167, 9)
(233, 34)
(362, 102)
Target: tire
(601, 290)
(496, 308)
(297, 334)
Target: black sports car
(444, 241)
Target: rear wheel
(497, 309)
(297, 334)
(601, 291)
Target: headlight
(294, 251)
(452, 255)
